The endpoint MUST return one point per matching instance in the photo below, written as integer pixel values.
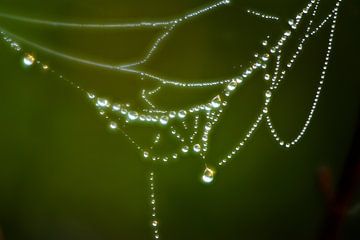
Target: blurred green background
(63, 175)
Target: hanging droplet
(164, 120)
(154, 223)
(208, 175)
(146, 154)
(197, 148)
(265, 43)
(216, 101)
(29, 60)
(232, 85)
(113, 125)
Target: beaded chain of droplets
(119, 115)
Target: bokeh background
(63, 175)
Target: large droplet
(216, 101)
(182, 113)
(164, 120)
(185, 149)
(133, 115)
(197, 148)
(29, 60)
(208, 175)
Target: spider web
(188, 129)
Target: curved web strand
(169, 27)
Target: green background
(63, 175)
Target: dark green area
(64, 176)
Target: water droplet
(146, 154)
(267, 77)
(208, 175)
(232, 85)
(238, 80)
(172, 114)
(185, 149)
(154, 223)
(164, 120)
(291, 22)
(113, 125)
(265, 43)
(265, 57)
(102, 102)
(116, 107)
(197, 148)
(216, 102)
(132, 115)
(268, 94)
(91, 95)
(29, 60)
(182, 113)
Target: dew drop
(232, 85)
(91, 95)
(116, 107)
(197, 148)
(267, 77)
(102, 102)
(216, 102)
(182, 113)
(208, 175)
(164, 120)
(268, 94)
(185, 149)
(29, 60)
(132, 115)
(113, 125)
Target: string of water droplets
(119, 115)
(262, 15)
